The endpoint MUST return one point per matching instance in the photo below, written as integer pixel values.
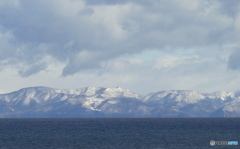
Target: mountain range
(98, 102)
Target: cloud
(84, 35)
(144, 72)
(234, 60)
(85, 59)
(32, 69)
(9, 3)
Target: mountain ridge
(45, 102)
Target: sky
(143, 46)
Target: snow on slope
(173, 96)
(37, 99)
(116, 102)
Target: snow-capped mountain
(36, 102)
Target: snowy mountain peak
(221, 95)
(89, 91)
(38, 88)
(117, 102)
(119, 92)
(108, 92)
(174, 95)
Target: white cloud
(120, 43)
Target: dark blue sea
(144, 133)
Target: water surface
(152, 133)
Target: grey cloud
(87, 11)
(6, 49)
(230, 8)
(83, 60)
(32, 69)
(106, 2)
(109, 29)
(234, 60)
